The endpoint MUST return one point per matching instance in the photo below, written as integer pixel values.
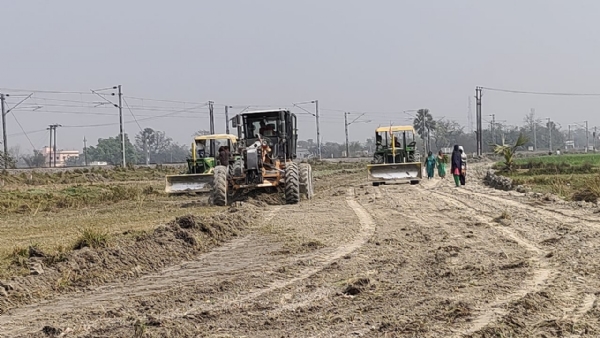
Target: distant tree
(424, 124)
(154, 144)
(370, 144)
(447, 133)
(35, 160)
(7, 160)
(109, 150)
(178, 153)
(354, 148)
(74, 161)
(201, 132)
(15, 152)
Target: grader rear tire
(292, 184)
(306, 180)
(219, 192)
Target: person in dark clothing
(463, 168)
(224, 156)
(456, 165)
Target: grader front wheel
(292, 184)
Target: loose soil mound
(129, 257)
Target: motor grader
(267, 147)
(198, 176)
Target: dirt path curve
(393, 261)
(540, 230)
(229, 276)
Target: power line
(23, 130)
(538, 93)
(145, 119)
(43, 91)
(134, 118)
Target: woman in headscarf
(441, 164)
(430, 165)
(456, 165)
(463, 167)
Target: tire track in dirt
(248, 254)
(586, 302)
(542, 271)
(557, 215)
(242, 251)
(366, 231)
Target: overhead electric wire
(24, 132)
(145, 119)
(539, 93)
(159, 100)
(28, 132)
(42, 91)
(136, 121)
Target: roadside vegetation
(571, 176)
(51, 214)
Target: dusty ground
(390, 261)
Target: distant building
(60, 157)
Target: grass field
(57, 212)
(571, 176)
(571, 159)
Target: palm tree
(509, 151)
(424, 125)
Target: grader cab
(201, 164)
(396, 158)
(267, 147)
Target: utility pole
(212, 127)
(478, 95)
(492, 128)
(121, 126)
(587, 138)
(146, 148)
(549, 134)
(346, 124)
(2, 98)
(318, 128)
(54, 156)
(346, 129)
(50, 128)
(85, 151)
(595, 135)
(226, 119)
(533, 126)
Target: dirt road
(393, 261)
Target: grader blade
(394, 173)
(190, 183)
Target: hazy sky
(379, 57)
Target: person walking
(456, 165)
(441, 164)
(463, 167)
(430, 165)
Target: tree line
(149, 147)
(155, 147)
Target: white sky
(380, 57)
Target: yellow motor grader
(267, 147)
